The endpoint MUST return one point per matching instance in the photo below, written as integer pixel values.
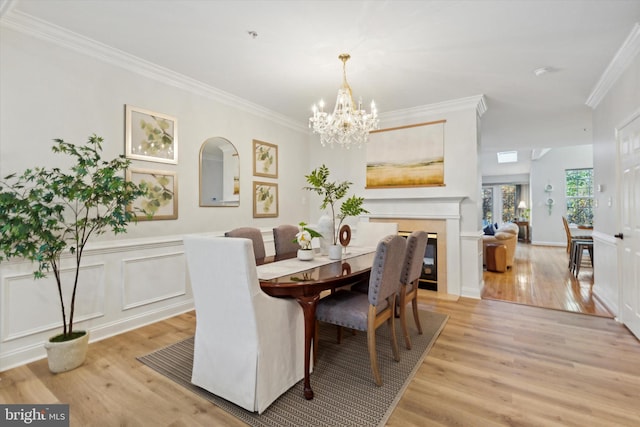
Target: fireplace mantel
(415, 207)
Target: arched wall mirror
(219, 173)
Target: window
(500, 202)
(487, 205)
(509, 203)
(579, 196)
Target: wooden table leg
(308, 304)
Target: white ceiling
(403, 53)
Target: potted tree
(331, 193)
(45, 213)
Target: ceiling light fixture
(347, 125)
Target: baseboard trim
(33, 352)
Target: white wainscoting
(605, 270)
(152, 278)
(124, 284)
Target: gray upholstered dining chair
(411, 272)
(283, 239)
(366, 312)
(250, 233)
(248, 345)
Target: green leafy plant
(331, 193)
(45, 212)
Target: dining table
(288, 277)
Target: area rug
(345, 393)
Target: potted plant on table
(331, 193)
(45, 213)
(303, 238)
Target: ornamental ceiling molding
(621, 60)
(35, 27)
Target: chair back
(245, 340)
(283, 239)
(250, 233)
(224, 281)
(566, 227)
(370, 233)
(414, 257)
(387, 266)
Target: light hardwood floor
(495, 364)
(540, 277)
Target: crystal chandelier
(347, 125)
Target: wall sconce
(550, 203)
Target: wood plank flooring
(540, 277)
(495, 364)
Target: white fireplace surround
(427, 208)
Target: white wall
(546, 226)
(462, 179)
(49, 91)
(616, 107)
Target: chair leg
(339, 334)
(392, 325)
(403, 316)
(414, 306)
(371, 343)
(578, 256)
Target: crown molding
(621, 60)
(35, 27)
(476, 102)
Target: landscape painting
(406, 156)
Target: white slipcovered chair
(248, 346)
(370, 233)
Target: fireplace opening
(429, 277)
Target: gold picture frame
(265, 199)
(406, 156)
(150, 136)
(265, 159)
(161, 201)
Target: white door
(629, 246)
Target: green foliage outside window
(579, 196)
(487, 205)
(508, 202)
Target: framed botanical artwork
(406, 156)
(161, 200)
(265, 159)
(265, 199)
(151, 136)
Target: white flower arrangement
(305, 235)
